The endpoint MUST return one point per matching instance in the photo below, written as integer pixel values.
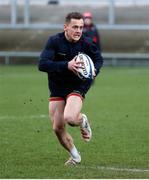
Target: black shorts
(60, 90)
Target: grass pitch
(117, 105)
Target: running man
(67, 90)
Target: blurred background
(123, 26)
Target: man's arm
(46, 60)
(96, 56)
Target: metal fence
(110, 59)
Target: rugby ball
(86, 69)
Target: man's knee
(70, 119)
(58, 129)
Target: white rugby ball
(86, 69)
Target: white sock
(74, 153)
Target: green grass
(117, 105)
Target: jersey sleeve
(96, 56)
(46, 60)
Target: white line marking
(19, 117)
(117, 169)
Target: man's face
(73, 30)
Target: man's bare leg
(56, 111)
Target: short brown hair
(73, 15)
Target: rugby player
(67, 90)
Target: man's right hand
(73, 65)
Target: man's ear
(65, 27)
